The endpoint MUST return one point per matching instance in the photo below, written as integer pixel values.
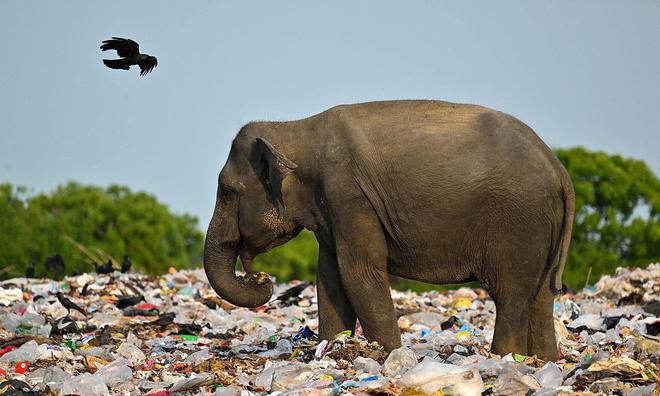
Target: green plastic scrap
(519, 358)
(71, 344)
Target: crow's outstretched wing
(147, 64)
(124, 47)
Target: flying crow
(129, 51)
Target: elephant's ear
(272, 167)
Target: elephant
(426, 190)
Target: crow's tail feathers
(116, 63)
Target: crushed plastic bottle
(512, 382)
(114, 373)
(28, 352)
(52, 376)
(199, 356)
(366, 365)
(231, 390)
(284, 376)
(131, 352)
(549, 376)
(399, 361)
(589, 321)
(84, 385)
(430, 377)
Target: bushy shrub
(86, 224)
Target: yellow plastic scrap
(462, 303)
(648, 345)
(618, 365)
(326, 377)
(462, 336)
(417, 392)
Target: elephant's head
(257, 208)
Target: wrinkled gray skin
(426, 190)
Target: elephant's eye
(227, 193)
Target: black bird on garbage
(129, 51)
(292, 293)
(85, 290)
(105, 335)
(128, 301)
(68, 304)
(29, 271)
(55, 263)
(107, 268)
(163, 320)
(64, 325)
(126, 264)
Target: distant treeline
(617, 223)
(85, 224)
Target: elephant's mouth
(247, 252)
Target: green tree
(617, 214)
(87, 223)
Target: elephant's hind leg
(511, 323)
(542, 341)
(517, 265)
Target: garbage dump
(172, 335)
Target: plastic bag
(399, 361)
(430, 377)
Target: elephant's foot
(542, 341)
(511, 326)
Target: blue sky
(578, 72)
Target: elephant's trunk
(220, 251)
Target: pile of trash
(128, 333)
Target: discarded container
(28, 352)
(114, 373)
(512, 382)
(131, 352)
(21, 367)
(549, 376)
(366, 365)
(430, 377)
(84, 385)
(399, 361)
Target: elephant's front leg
(362, 257)
(335, 311)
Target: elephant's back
(443, 142)
(433, 166)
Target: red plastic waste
(7, 349)
(22, 367)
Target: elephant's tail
(561, 247)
